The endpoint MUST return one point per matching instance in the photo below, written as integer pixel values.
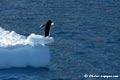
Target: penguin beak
(52, 23)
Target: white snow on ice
(19, 51)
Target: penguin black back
(47, 28)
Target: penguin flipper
(43, 25)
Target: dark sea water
(86, 33)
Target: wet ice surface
(19, 51)
(86, 37)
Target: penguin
(47, 28)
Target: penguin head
(50, 22)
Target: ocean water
(86, 33)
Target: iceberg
(19, 51)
